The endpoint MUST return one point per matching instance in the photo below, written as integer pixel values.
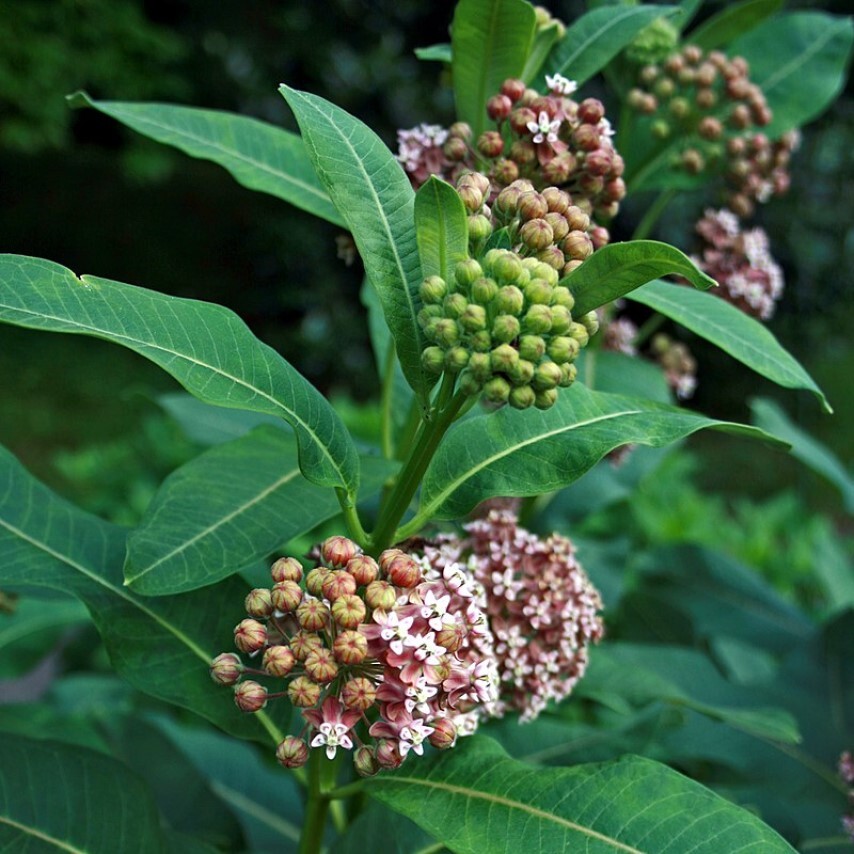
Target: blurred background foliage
(83, 191)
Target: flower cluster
(680, 367)
(846, 774)
(740, 262)
(504, 323)
(709, 103)
(420, 151)
(543, 610)
(373, 645)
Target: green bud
(522, 397)
(509, 300)
(521, 373)
(483, 290)
(579, 332)
(532, 347)
(490, 258)
(507, 268)
(469, 384)
(505, 328)
(467, 272)
(454, 305)
(546, 375)
(543, 270)
(446, 332)
(569, 373)
(590, 321)
(504, 358)
(563, 349)
(481, 342)
(479, 228)
(536, 234)
(537, 320)
(497, 390)
(433, 289)
(538, 292)
(561, 319)
(428, 313)
(480, 367)
(473, 319)
(563, 296)
(546, 398)
(456, 359)
(433, 360)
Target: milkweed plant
(375, 630)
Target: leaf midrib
(790, 67)
(50, 840)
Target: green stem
(387, 438)
(649, 329)
(346, 791)
(316, 806)
(351, 517)
(651, 217)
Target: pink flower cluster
(542, 608)
(420, 152)
(740, 262)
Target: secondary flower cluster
(708, 101)
(504, 323)
(402, 653)
(542, 608)
(740, 262)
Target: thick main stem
(316, 806)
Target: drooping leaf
(618, 268)
(598, 36)
(477, 800)
(805, 71)
(103, 805)
(441, 228)
(732, 21)
(255, 500)
(206, 347)
(491, 40)
(434, 53)
(258, 155)
(515, 453)
(725, 326)
(769, 416)
(161, 646)
(373, 194)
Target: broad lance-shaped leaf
(477, 800)
(520, 453)
(255, 500)
(491, 41)
(805, 71)
(258, 155)
(206, 347)
(595, 38)
(373, 194)
(441, 228)
(102, 805)
(161, 646)
(732, 21)
(618, 268)
(732, 330)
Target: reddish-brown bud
(250, 696)
(590, 110)
(304, 693)
(710, 128)
(490, 143)
(532, 205)
(514, 89)
(462, 130)
(560, 227)
(380, 595)
(557, 201)
(598, 162)
(692, 161)
(455, 149)
(451, 637)
(560, 168)
(586, 137)
(600, 236)
(292, 752)
(226, 669)
(444, 733)
(498, 107)
(336, 551)
(286, 596)
(250, 635)
(523, 152)
(363, 568)
(740, 117)
(358, 693)
(320, 666)
(505, 171)
(350, 647)
(313, 615)
(302, 643)
(314, 580)
(349, 611)
(404, 571)
(286, 569)
(365, 761)
(705, 99)
(388, 754)
(278, 660)
(577, 245)
(536, 234)
(338, 583)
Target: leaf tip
(78, 100)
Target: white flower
(560, 85)
(544, 128)
(333, 736)
(412, 737)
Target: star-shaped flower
(544, 129)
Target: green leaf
(206, 347)
(619, 373)
(598, 36)
(255, 500)
(771, 417)
(618, 268)
(736, 333)
(491, 41)
(371, 190)
(731, 22)
(161, 646)
(101, 805)
(477, 800)
(520, 453)
(258, 155)
(434, 53)
(544, 41)
(688, 11)
(441, 228)
(378, 828)
(807, 68)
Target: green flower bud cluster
(505, 325)
(654, 43)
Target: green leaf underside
(618, 268)
(255, 501)
(373, 194)
(258, 155)
(441, 228)
(598, 36)
(477, 800)
(725, 326)
(513, 453)
(491, 40)
(732, 21)
(161, 646)
(103, 807)
(434, 53)
(805, 71)
(206, 347)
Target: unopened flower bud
(563, 349)
(586, 137)
(507, 268)
(503, 358)
(278, 660)
(403, 571)
(480, 342)
(338, 583)
(472, 198)
(546, 398)
(320, 666)
(445, 332)
(444, 733)
(590, 320)
(710, 128)
(286, 569)
(523, 152)
(250, 696)
(505, 171)
(490, 143)
(462, 130)
(456, 359)
(455, 149)
(363, 568)
(470, 385)
(388, 754)
(433, 360)
(692, 161)
(480, 367)
(250, 635)
(497, 390)
(705, 99)
(522, 397)
(350, 647)
(433, 289)
(359, 693)
(560, 168)
(546, 375)
(505, 328)
(292, 752)
(498, 107)
(479, 228)
(509, 300)
(577, 219)
(454, 305)
(226, 668)
(740, 117)
(467, 272)
(380, 595)
(532, 206)
(521, 373)
(561, 320)
(286, 596)
(536, 234)
(513, 88)
(451, 637)
(303, 643)
(304, 693)
(365, 761)
(569, 373)
(336, 551)
(577, 245)
(579, 332)
(483, 290)
(313, 615)
(349, 611)
(563, 296)
(532, 347)
(479, 180)
(571, 267)
(537, 320)
(539, 292)
(258, 603)
(560, 227)
(552, 256)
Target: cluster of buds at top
(708, 102)
(379, 655)
(740, 262)
(846, 774)
(504, 323)
(542, 608)
(654, 43)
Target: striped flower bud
(250, 696)
(286, 569)
(292, 752)
(363, 568)
(226, 669)
(250, 635)
(304, 693)
(258, 603)
(348, 611)
(278, 660)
